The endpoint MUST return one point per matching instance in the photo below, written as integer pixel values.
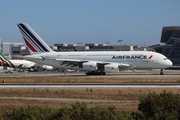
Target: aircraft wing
(75, 62)
(71, 62)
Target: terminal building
(171, 49)
(7, 48)
(93, 47)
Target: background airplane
(22, 64)
(95, 62)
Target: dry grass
(87, 80)
(127, 96)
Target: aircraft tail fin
(34, 42)
(2, 56)
(5, 61)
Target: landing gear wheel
(95, 73)
(103, 73)
(161, 72)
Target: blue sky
(137, 22)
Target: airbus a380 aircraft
(21, 64)
(96, 62)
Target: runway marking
(90, 86)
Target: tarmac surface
(121, 74)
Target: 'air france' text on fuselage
(130, 57)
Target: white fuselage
(28, 64)
(97, 61)
(24, 63)
(136, 59)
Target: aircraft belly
(144, 65)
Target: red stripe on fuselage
(150, 56)
(5, 63)
(30, 46)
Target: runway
(126, 74)
(122, 74)
(90, 86)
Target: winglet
(33, 40)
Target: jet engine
(112, 67)
(46, 67)
(91, 66)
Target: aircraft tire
(95, 73)
(161, 72)
(103, 73)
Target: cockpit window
(165, 58)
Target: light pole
(120, 41)
(108, 45)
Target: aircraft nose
(169, 63)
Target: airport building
(171, 49)
(96, 47)
(20, 50)
(7, 48)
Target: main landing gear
(95, 73)
(161, 72)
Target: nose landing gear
(161, 72)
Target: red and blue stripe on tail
(33, 40)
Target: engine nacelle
(46, 67)
(113, 67)
(91, 65)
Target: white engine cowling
(91, 65)
(113, 67)
(46, 67)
